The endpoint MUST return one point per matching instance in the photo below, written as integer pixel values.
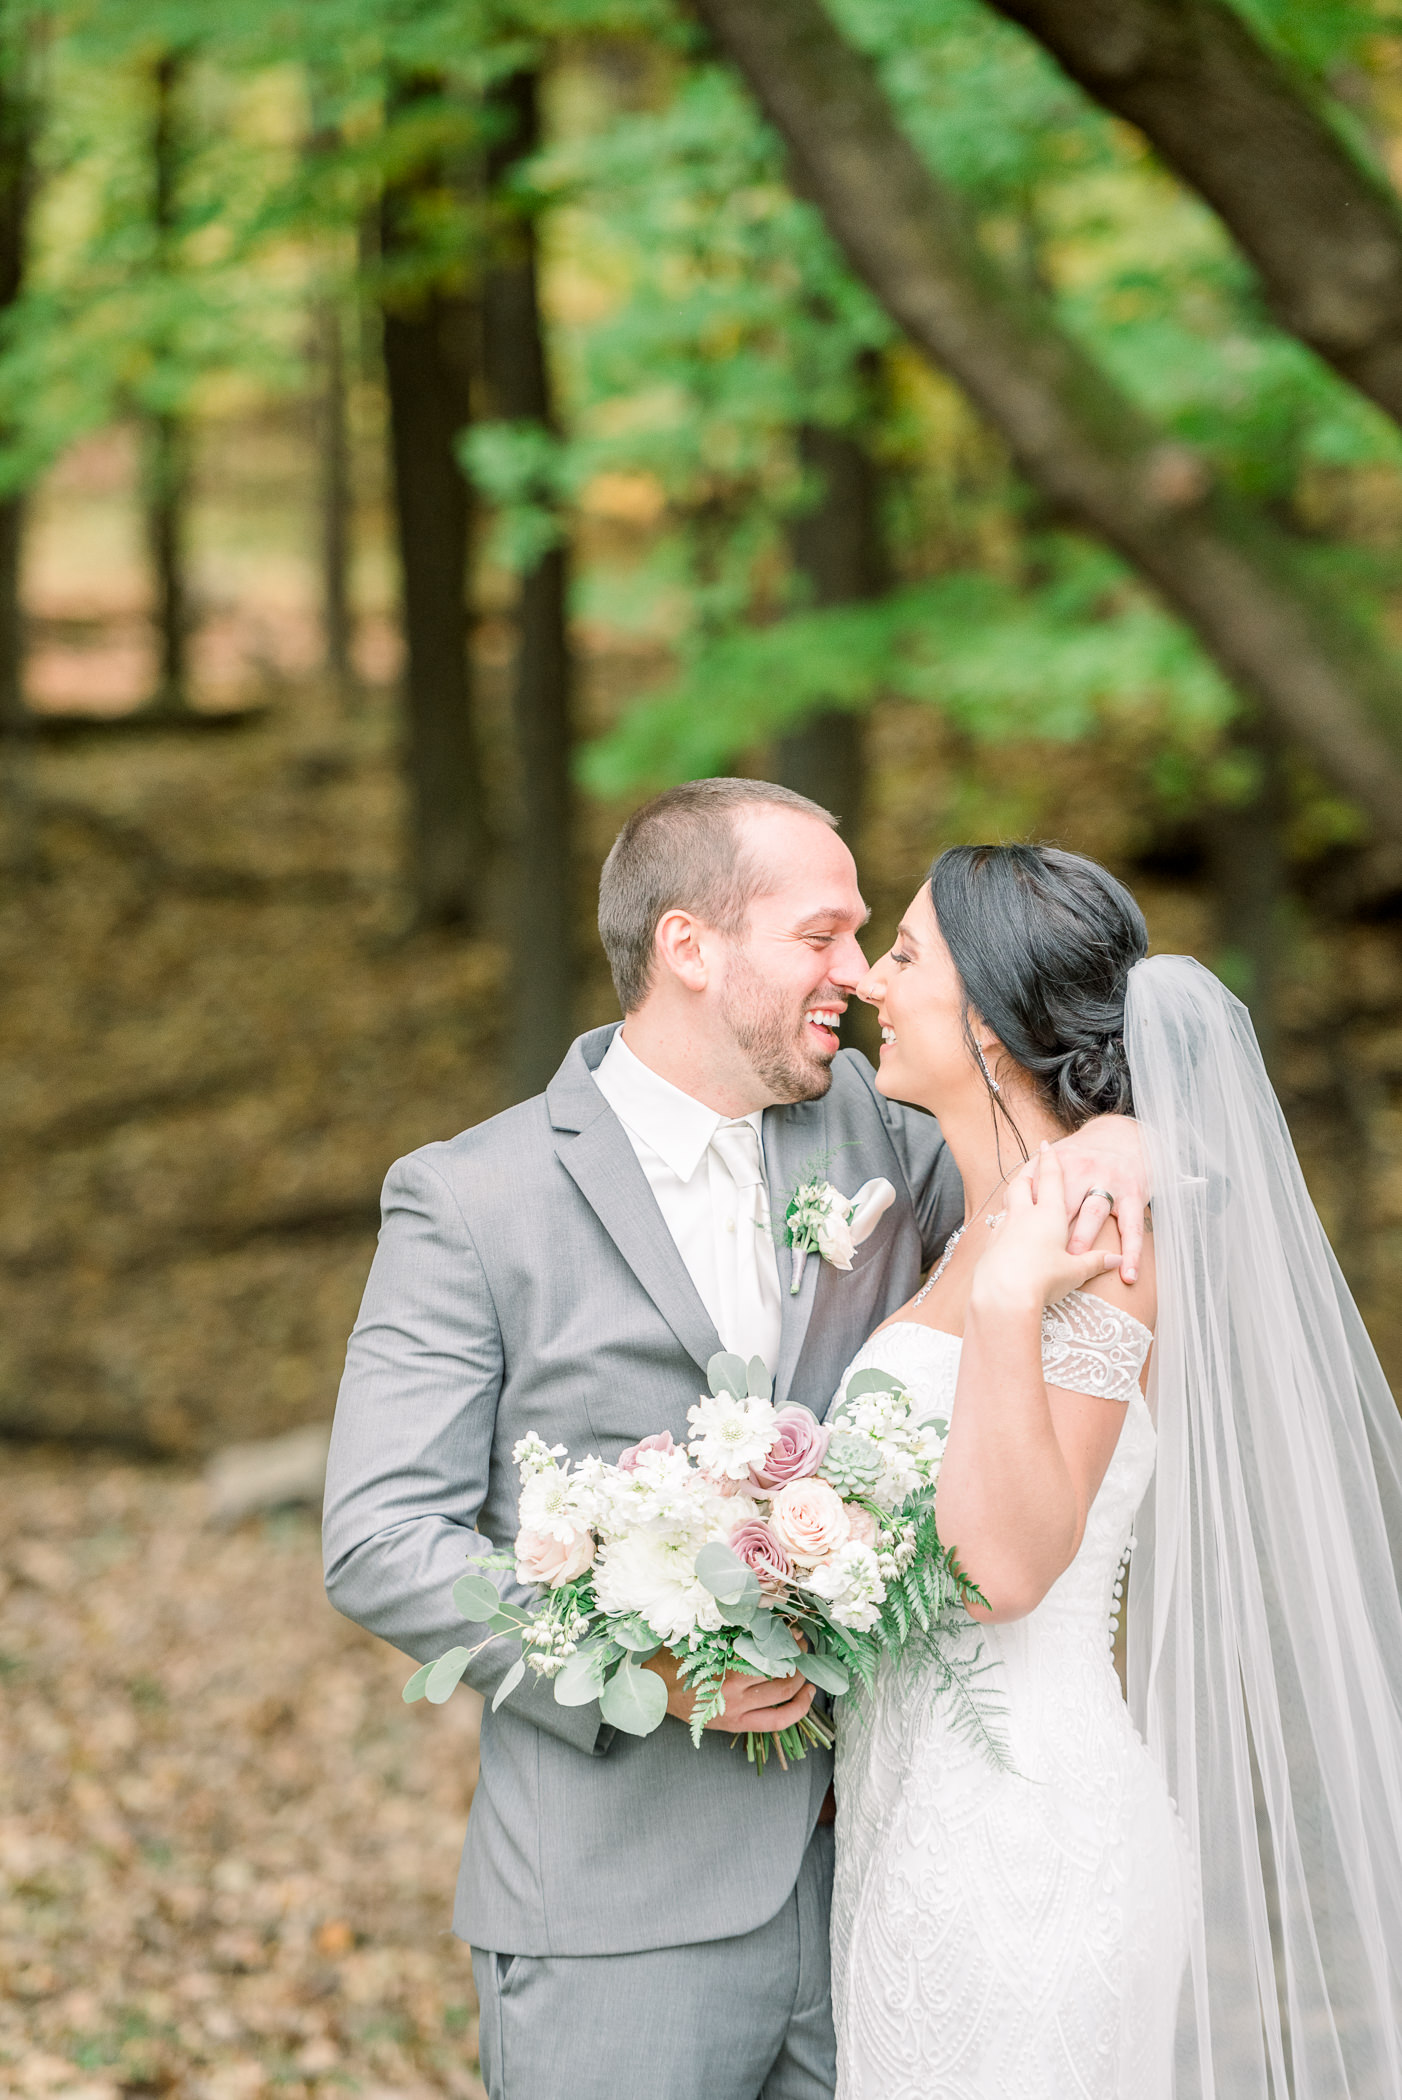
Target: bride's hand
(1027, 1263)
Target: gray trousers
(743, 2019)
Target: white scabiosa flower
(730, 1435)
(645, 1572)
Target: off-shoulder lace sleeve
(1091, 1346)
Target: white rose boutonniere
(820, 1219)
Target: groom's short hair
(682, 852)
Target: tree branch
(1241, 127)
(1227, 570)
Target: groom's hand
(751, 1703)
(1105, 1170)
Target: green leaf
(635, 1633)
(826, 1672)
(772, 1637)
(722, 1572)
(510, 1619)
(763, 1664)
(582, 1678)
(475, 1597)
(872, 1381)
(444, 1676)
(634, 1700)
(509, 1682)
(414, 1689)
(760, 1383)
(727, 1373)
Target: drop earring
(993, 1086)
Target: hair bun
(1094, 1079)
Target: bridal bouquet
(771, 1543)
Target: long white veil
(1265, 1627)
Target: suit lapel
(594, 1150)
(795, 1141)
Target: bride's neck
(983, 1137)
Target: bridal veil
(1265, 1626)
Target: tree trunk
(1224, 567)
(334, 490)
(837, 548)
(428, 334)
(167, 469)
(1246, 868)
(1250, 135)
(16, 132)
(542, 886)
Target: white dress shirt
(717, 1214)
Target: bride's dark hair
(1044, 942)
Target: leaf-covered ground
(227, 1849)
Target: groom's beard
(775, 1038)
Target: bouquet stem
(786, 1743)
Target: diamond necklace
(952, 1242)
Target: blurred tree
(1225, 567)
(1245, 124)
(519, 394)
(17, 120)
(430, 329)
(167, 461)
(838, 553)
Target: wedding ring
(1108, 1194)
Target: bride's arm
(1023, 1461)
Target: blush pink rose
(797, 1451)
(809, 1519)
(862, 1525)
(541, 1559)
(760, 1550)
(628, 1460)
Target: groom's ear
(679, 945)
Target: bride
(1200, 1893)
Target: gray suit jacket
(525, 1279)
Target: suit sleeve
(412, 1445)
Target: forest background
(427, 427)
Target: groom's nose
(847, 965)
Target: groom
(648, 1921)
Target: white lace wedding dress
(1020, 1934)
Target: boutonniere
(821, 1220)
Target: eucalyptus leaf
(872, 1381)
(444, 1676)
(582, 1678)
(634, 1700)
(635, 1633)
(772, 1637)
(826, 1672)
(414, 1689)
(761, 1384)
(510, 1619)
(509, 1682)
(726, 1373)
(475, 1597)
(749, 1652)
(722, 1572)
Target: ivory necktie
(748, 1271)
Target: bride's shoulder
(1140, 1298)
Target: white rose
(645, 1573)
(834, 1237)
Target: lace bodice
(1014, 1932)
